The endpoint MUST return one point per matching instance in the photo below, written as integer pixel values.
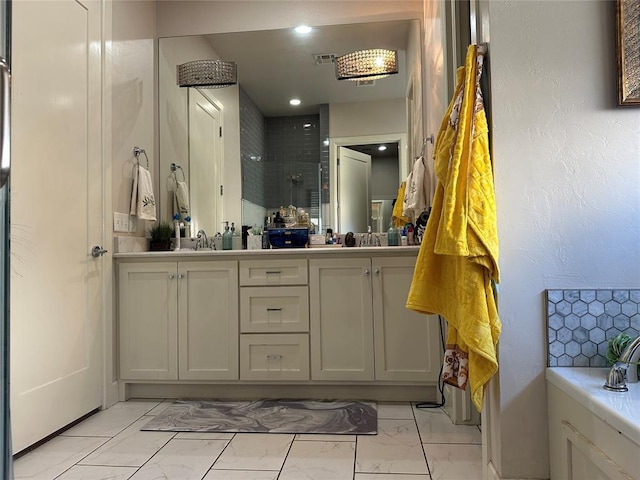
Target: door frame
(110, 386)
(335, 143)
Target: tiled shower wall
(580, 323)
(252, 150)
(324, 150)
(293, 157)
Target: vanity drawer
(274, 356)
(270, 272)
(274, 309)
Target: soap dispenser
(227, 238)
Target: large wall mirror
(244, 151)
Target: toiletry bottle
(227, 238)
(392, 235)
(176, 226)
(410, 237)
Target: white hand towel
(143, 202)
(182, 199)
(419, 190)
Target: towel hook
(136, 153)
(430, 139)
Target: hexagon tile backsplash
(580, 323)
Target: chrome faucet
(369, 239)
(625, 369)
(202, 240)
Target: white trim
(335, 143)
(109, 378)
(491, 473)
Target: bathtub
(593, 433)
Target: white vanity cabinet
(360, 328)
(325, 322)
(274, 320)
(178, 320)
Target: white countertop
(318, 251)
(621, 410)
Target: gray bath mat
(274, 416)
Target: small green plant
(615, 347)
(161, 232)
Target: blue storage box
(288, 237)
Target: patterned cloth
(458, 260)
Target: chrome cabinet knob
(366, 272)
(171, 276)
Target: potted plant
(160, 236)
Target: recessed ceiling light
(303, 29)
(306, 125)
(295, 102)
(382, 148)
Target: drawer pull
(273, 272)
(274, 357)
(274, 309)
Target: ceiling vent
(365, 83)
(324, 58)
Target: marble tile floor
(411, 444)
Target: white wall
(131, 68)
(130, 113)
(567, 176)
(189, 17)
(367, 118)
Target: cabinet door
(341, 329)
(208, 320)
(147, 295)
(407, 344)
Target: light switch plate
(124, 223)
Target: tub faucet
(202, 240)
(625, 369)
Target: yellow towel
(458, 259)
(399, 220)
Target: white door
(57, 216)
(205, 163)
(354, 190)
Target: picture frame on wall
(628, 51)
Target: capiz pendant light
(367, 64)
(207, 74)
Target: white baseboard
(492, 474)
